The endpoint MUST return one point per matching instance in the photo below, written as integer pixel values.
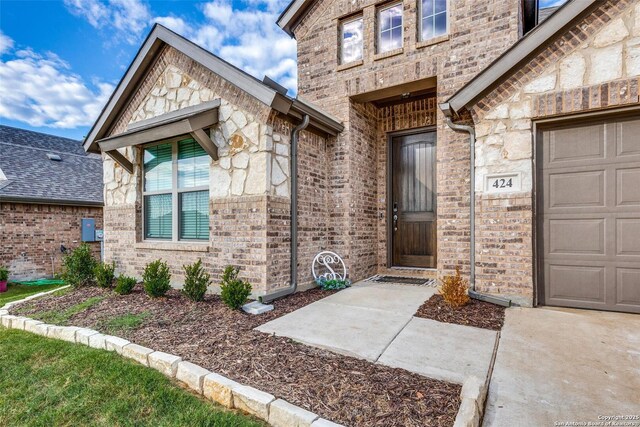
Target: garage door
(589, 215)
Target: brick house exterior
(582, 58)
(43, 201)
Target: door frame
(389, 187)
(538, 126)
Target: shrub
(196, 281)
(332, 284)
(125, 284)
(156, 278)
(4, 274)
(78, 267)
(105, 273)
(454, 290)
(234, 292)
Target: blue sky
(61, 59)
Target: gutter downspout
(294, 216)
(472, 208)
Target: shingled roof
(28, 174)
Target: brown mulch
(476, 313)
(343, 389)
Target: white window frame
(421, 20)
(175, 194)
(379, 26)
(359, 17)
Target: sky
(60, 60)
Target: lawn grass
(125, 322)
(16, 292)
(62, 317)
(47, 382)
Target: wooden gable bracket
(121, 160)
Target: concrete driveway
(374, 321)
(564, 365)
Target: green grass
(62, 317)
(46, 382)
(125, 322)
(16, 292)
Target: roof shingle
(33, 177)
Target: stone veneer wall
(249, 184)
(592, 66)
(32, 234)
(479, 33)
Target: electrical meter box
(99, 235)
(88, 230)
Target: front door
(413, 200)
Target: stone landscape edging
(213, 386)
(216, 387)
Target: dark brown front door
(413, 200)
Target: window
(176, 185)
(390, 28)
(351, 39)
(433, 22)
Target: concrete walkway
(374, 321)
(559, 365)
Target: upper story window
(176, 186)
(351, 40)
(433, 19)
(390, 28)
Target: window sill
(431, 42)
(173, 246)
(353, 64)
(389, 54)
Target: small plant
(454, 290)
(196, 281)
(125, 284)
(105, 273)
(156, 278)
(78, 267)
(234, 292)
(4, 274)
(332, 284)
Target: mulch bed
(343, 389)
(476, 313)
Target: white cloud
(6, 43)
(42, 91)
(129, 18)
(248, 38)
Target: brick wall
(479, 33)
(31, 236)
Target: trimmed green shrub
(125, 284)
(105, 273)
(156, 278)
(234, 292)
(4, 274)
(78, 267)
(332, 284)
(196, 281)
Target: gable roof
(160, 36)
(520, 52)
(32, 177)
(293, 13)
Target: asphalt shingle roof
(32, 176)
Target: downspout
(294, 215)
(472, 209)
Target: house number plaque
(503, 183)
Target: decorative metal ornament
(329, 266)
